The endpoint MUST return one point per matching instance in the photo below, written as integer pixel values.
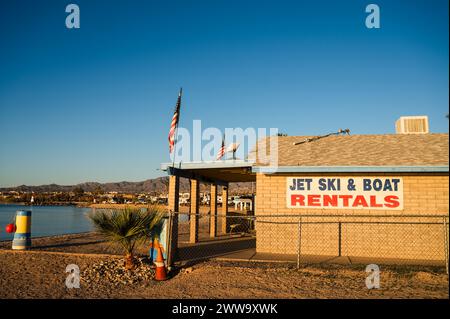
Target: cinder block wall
(425, 194)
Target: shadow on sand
(189, 254)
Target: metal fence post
(299, 242)
(445, 244)
(340, 239)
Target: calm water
(47, 220)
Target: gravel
(114, 272)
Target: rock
(113, 272)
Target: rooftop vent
(412, 125)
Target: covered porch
(187, 238)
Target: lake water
(47, 220)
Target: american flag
(174, 123)
(221, 150)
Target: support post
(213, 216)
(173, 205)
(224, 209)
(194, 217)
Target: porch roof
(219, 172)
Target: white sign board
(345, 192)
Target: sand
(40, 273)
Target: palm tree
(128, 227)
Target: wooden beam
(172, 229)
(191, 175)
(224, 227)
(193, 220)
(213, 216)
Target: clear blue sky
(94, 104)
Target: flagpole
(176, 130)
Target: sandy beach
(40, 273)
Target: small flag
(221, 152)
(233, 148)
(174, 123)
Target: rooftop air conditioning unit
(412, 125)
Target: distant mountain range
(155, 185)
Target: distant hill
(155, 185)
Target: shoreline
(56, 236)
(79, 204)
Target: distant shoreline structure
(45, 204)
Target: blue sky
(95, 103)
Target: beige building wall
(424, 194)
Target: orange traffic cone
(160, 273)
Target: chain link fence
(406, 239)
(218, 236)
(396, 239)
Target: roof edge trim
(349, 169)
(208, 164)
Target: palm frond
(129, 226)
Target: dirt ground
(41, 274)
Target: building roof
(357, 150)
(331, 154)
